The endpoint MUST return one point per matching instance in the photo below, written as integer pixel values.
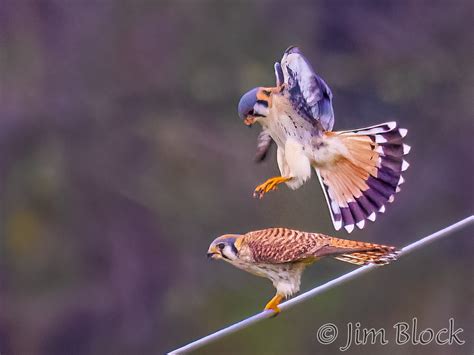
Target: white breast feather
(298, 163)
(286, 278)
(288, 288)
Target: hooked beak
(213, 254)
(249, 120)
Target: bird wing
(309, 95)
(264, 143)
(282, 245)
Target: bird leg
(273, 304)
(269, 185)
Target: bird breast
(286, 277)
(283, 122)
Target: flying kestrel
(282, 254)
(359, 170)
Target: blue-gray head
(254, 104)
(225, 247)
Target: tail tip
(349, 228)
(405, 165)
(391, 125)
(389, 257)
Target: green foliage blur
(122, 157)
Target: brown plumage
(282, 254)
(366, 175)
(283, 245)
(359, 170)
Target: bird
(359, 170)
(281, 255)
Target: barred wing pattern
(283, 245)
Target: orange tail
(361, 253)
(367, 176)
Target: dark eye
(251, 113)
(221, 246)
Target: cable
(319, 289)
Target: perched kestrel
(282, 254)
(359, 170)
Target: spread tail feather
(367, 176)
(359, 253)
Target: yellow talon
(269, 185)
(273, 304)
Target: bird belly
(286, 278)
(287, 285)
(297, 163)
(294, 147)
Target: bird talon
(273, 305)
(261, 190)
(276, 312)
(269, 185)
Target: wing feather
(264, 143)
(283, 245)
(309, 95)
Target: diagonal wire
(319, 289)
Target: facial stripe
(234, 249)
(263, 102)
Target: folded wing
(283, 245)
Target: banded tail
(361, 253)
(366, 177)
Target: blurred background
(122, 158)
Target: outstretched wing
(308, 93)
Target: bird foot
(273, 305)
(269, 185)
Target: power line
(319, 289)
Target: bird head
(254, 104)
(225, 247)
